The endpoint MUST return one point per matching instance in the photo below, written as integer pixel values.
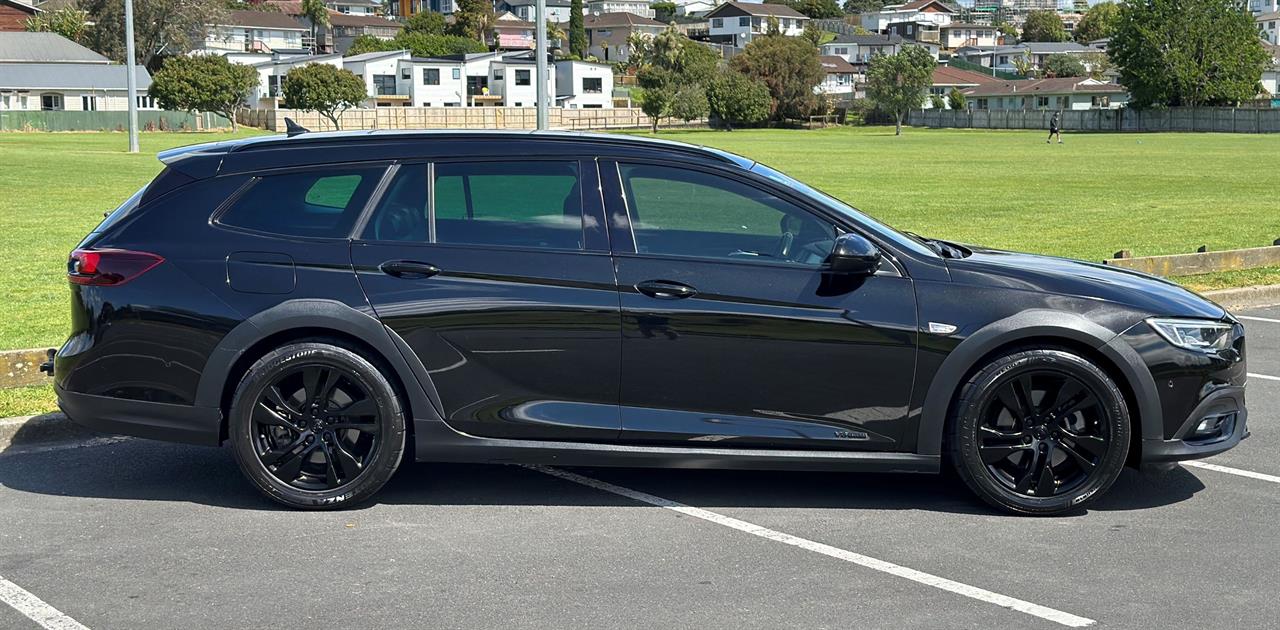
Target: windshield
(879, 229)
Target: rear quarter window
(321, 203)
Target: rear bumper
(1225, 400)
(153, 420)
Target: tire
(315, 425)
(1038, 409)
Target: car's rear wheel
(1040, 431)
(316, 425)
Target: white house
(1058, 93)
(840, 78)
(557, 10)
(1006, 57)
(609, 34)
(355, 7)
(696, 8)
(959, 34)
(584, 85)
(255, 31)
(435, 82)
(382, 77)
(635, 7)
(45, 71)
(736, 23)
(272, 73)
(858, 49)
(512, 78)
(1269, 27)
(932, 12)
(1271, 74)
(1259, 7)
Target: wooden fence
(452, 118)
(1212, 119)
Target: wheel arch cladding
(302, 319)
(1042, 328)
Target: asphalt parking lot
(140, 534)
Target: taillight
(108, 267)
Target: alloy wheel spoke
(319, 383)
(277, 398)
(1045, 481)
(331, 475)
(1009, 397)
(1030, 473)
(274, 457)
(991, 432)
(358, 409)
(1095, 446)
(288, 471)
(264, 414)
(349, 463)
(1085, 463)
(994, 453)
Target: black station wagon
(335, 303)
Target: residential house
(839, 79)
(343, 28)
(511, 32)
(608, 34)
(355, 7)
(255, 31)
(696, 8)
(584, 85)
(14, 15)
(946, 78)
(1059, 93)
(272, 73)
(436, 81)
(959, 34)
(933, 12)
(923, 32)
(513, 79)
(1006, 57)
(1269, 27)
(858, 49)
(405, 8)
(1271, 74)
(637, 7)
(557, 10)
(736, 23)
(1260, 7)
(45, 71)
(382, 78)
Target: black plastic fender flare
(1036, 324)
(323, 314)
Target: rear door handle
(666, 289)
(408, 269)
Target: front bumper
(154, 420)
(1226, 401)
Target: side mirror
(854, 254)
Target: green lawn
(1152, 194)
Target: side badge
(941, 329)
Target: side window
(525, 204)
(317, 203)
(682, 212)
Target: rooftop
(262, 19)
(761, 10)
(26, 47)
(946, 75)
(370, 56)
(68, 76)
(615, 20)
(870, 39)
(1064, 85)
(832, 64)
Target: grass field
(1094, 195)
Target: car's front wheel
(316, 425)
(1039, 431)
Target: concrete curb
(49, 427)
(19, 368)
(1246, 297)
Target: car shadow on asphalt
(144, 470)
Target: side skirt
(436, 442)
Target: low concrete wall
(1202, 262)
(451, 118)
(1215, 119)
(22, 367)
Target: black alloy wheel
(1039, 431)
(317, 425)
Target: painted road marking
(973, 592)
(1258, 319)
(35, 608)
(1264, 377)
(1232, 471)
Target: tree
(816, 9)
(1008, 33)
(663, 11)
(1063, 65)
(656, 103)
(689, 103)
(418, 43)
(897, 83)
(789, 67)
(1098, 22)
(937, 102)
(956, 100)
(369, 43)
(1023, 64)
(863, 6)
(1044, 26)
(577, 31)
(207, 83)
(324, 89)
(472, 18)
(1099, 64)
(428, 22)
(161, 27)
(734, 97)
(66, 21)
(1187, 53)
(317, 13)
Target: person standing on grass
(1053, 129)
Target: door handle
(666, 289)
(408, 269)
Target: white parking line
(35, 608)
(1233, 471)
(973, 592)
(1264, 377)
(1258, 319)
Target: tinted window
(689, 213)
(529, 204)
(321, 203)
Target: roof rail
(292, 129)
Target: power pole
(131, 76)
(540, 49)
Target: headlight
(1201, 335)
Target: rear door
(735, 334)
(497, 274)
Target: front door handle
(408, 269)
(666, 289)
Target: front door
(734, 335)
(497, 274)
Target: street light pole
(131, 76)
(540, 50)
